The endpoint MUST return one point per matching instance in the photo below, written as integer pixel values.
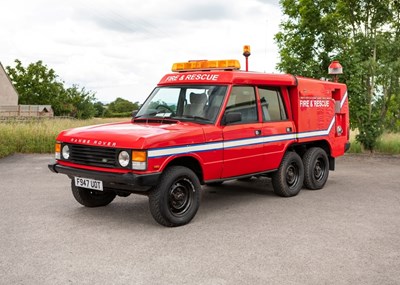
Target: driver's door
(243, 147)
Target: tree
(100, 109)
(39, 85)
(36, 84)
(82, 102)
(122, 106)
(364, 36)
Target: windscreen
(200, 103)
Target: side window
(243, 100)
(272, 104)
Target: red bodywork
(315, 111)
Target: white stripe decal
(258, 140)
(279, 138)
(184, 149)
(317, 133)
(218, 145)
(343, 100)
(244, 142)
(235, 143)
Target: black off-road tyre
(288, 179)
(91, 198)
(176, 199)
(316, 168)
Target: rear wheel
(288, 179)
(316, 168)
(176, 198)
(91, 198)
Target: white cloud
(122, 48)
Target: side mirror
(134, 113)
(232, 117)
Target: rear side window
(272, 104)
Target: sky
(122, 48)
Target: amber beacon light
(246, 54)
(225, 64)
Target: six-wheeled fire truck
(203, 124)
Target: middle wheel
(288, 179)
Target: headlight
(124, 158)
(65, 152)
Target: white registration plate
(89, 183)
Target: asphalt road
(347, 233)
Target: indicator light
(139, 160)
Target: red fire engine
(206, 123)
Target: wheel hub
(292, 175)
(180, 196)
(319, 170)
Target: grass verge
(388, 143)
(38, 136)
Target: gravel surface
(347, 233)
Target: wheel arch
(301, 149)
(190, 162)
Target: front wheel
(176, 199)
(316, 168)
(91, 198)
(288, 179)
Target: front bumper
(128, 181)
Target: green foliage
(99, 109)
(369, 132)
(37, 136)
(81, 101)
(118, 115)
(36, 84)
(355, 147)
(392, 119)
(122, 106)
(364, 36)
(39, 85)
(387, 143)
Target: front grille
(94, 156)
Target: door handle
(288, 129)
(257, 132)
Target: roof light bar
(232, 64)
